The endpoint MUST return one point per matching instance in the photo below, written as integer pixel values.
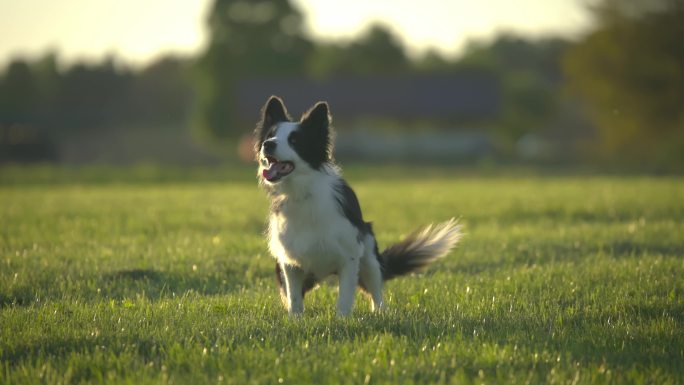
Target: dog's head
(285, 147)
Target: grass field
(559, 280)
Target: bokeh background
(596, 83)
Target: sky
(138, 31)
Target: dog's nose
(269, 146)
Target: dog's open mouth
(274, 169)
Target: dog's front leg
(349, 278)
(294, 281)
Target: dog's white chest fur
(310, 231)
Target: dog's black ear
(272, 113)
(318, 117)
(317, 141)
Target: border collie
(316, 228)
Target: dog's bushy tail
(419, 249)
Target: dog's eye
(292, 139)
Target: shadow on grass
(563, 253)
(134, 274)
(129, 283)
(561, 214)
(583, 342)
(56, 347)
(156, 284)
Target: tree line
(616, 95)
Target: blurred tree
(26, 96)
(42, 107)
(529, 104)
(377, 51)
(19, 94)
(162, 93)
(94, 97)
(630, 73)
(256, 38)
(46, 74)
(530, 75)
(432, 61)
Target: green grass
(559, 280)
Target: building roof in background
(468, 95)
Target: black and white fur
(316, 228)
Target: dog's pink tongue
(271, 172)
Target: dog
(315, 227)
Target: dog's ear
(317, 118)
(319, 135)
(272, 113)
